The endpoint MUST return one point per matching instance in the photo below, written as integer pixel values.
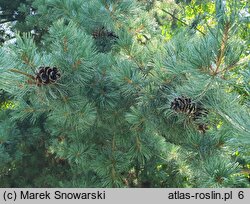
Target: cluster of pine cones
(47, 75)
(193, 109)
(102, 32)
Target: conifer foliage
(93, 106)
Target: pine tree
(105, 101)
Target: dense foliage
(108, 93)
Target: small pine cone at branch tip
(47, 75)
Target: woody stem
(23, 73)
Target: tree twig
(235, 123)
(205, 90)
(222, 48)
(23, 73)
(232, 66)
(183, 22)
